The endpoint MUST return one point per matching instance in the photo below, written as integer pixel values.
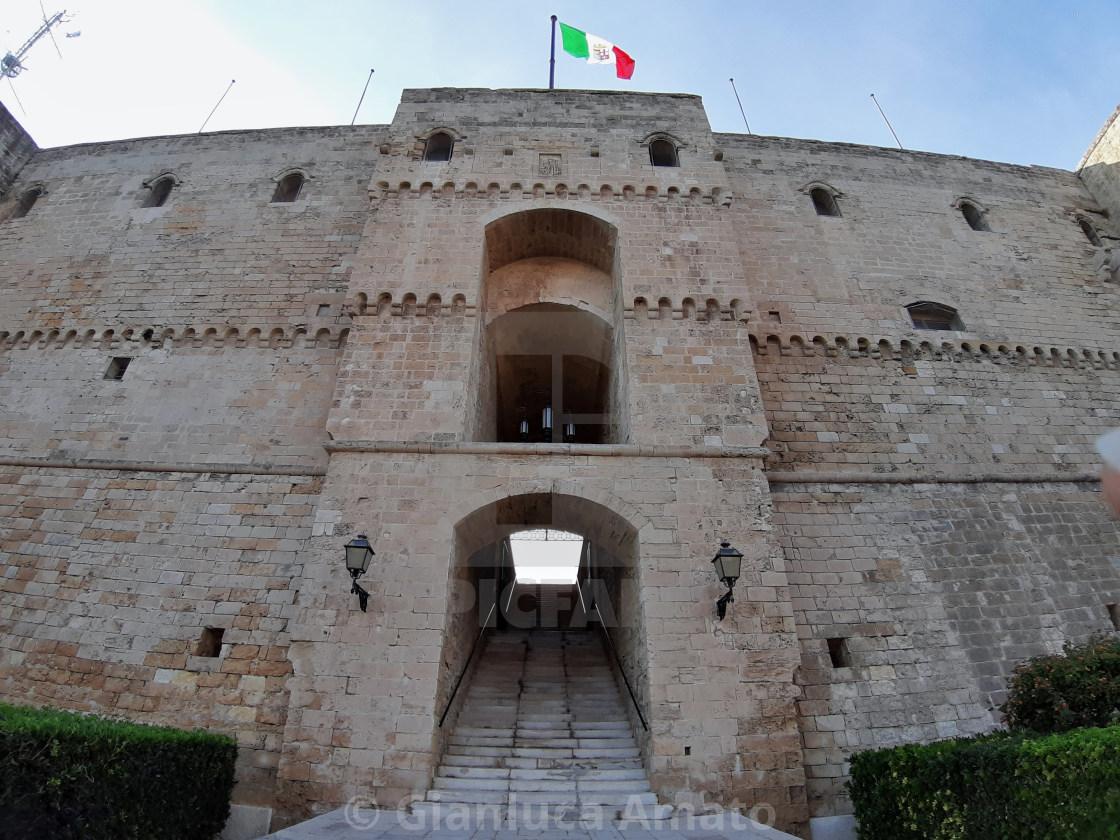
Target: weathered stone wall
(966, 536)
(219, 254)
(937, 590)
(1031, 280)
(954, 412)
(230, 309)
(262, 407)
(110, 578)
(16, 148)
(933, 490)
(1100, 167)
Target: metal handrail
(467, 664)
(478, 638)
(617, 659)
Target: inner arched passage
(556, 359)
(486, 599)
(550, 366)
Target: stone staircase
(543, 733)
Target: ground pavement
(366, 824)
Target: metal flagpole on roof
(552, 58)
(231, 83)
(740, 101)
(888, 122)
(363, 96)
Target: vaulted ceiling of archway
(506, 516)
(550, 232)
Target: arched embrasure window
(288, 189)
(159, 192)
(926, 315)
(439, 147)
(26, 202)
(1090, 232)
(662, 152)
(974, 216)
(824, 202)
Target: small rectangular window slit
(838, 653)
(210, 644)
(324, 310)
(117, 367)
(1114, 615)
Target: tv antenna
(11, 65)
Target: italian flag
(596, 50)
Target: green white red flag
(596, 50)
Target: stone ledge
(809, 477)
(609, 450)
(144, 466)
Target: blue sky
(1024, 82)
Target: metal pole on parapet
(552, 58)
(231, 82)
(888, 122)
(362, 97)
(740, 101)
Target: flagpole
(232, 81)
(888, 122)
(362, 98)
(552, 58)
(740, 101)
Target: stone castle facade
(877, 373)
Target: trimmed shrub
(994, 787)
(1078, 687)
(72, 777)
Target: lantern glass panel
(358, 554)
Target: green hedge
(1078, 687)
(65, 776)
(996, 787)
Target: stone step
(568, 764)
(543, 727)
(572, 774)
(472, 797)
(459, 783)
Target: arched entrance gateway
(543, 697)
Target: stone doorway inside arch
(544, 677)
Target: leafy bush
(1079, 687)
(65, 776)
(1006, 786)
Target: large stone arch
(478, 575)
(550, 272)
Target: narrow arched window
(438, 147)
(663, 153)
(824, 202)
(1090, 232)
(288, 189)
(927, 315)
(973, 216)
(26, 202)
(159, 193)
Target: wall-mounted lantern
(358, 555)
(728, 562)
